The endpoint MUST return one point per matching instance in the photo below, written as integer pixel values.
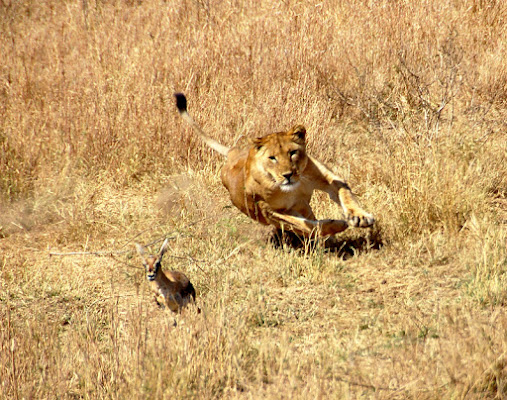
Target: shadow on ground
(344, 247)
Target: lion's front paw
(265, 209)
(360, 219)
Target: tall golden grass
(405, 100)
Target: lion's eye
(293, 153)
(272, 158)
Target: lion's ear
(299, 133)
(257, 142)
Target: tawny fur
(273, 180)
(173, 287)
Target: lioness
(273, 180)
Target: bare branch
(102, 253)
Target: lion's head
(279, 159)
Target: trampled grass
(406, 101)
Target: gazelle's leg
(155, 297)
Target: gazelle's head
(151, 262)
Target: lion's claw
(363, 221)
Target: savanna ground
(405, 100)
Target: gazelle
(173, 286)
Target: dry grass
(406, 100)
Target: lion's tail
(181, 103)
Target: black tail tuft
(181, 102)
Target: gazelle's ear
(140, 250)
(163, 248)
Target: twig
(159, 240)
(112, 297)
(364, 385)
(124, 262)
(88, 253)
(130, 241)
(112, 253)
(234, 251)
(164, 237)
(187, 257)
(18, 225)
